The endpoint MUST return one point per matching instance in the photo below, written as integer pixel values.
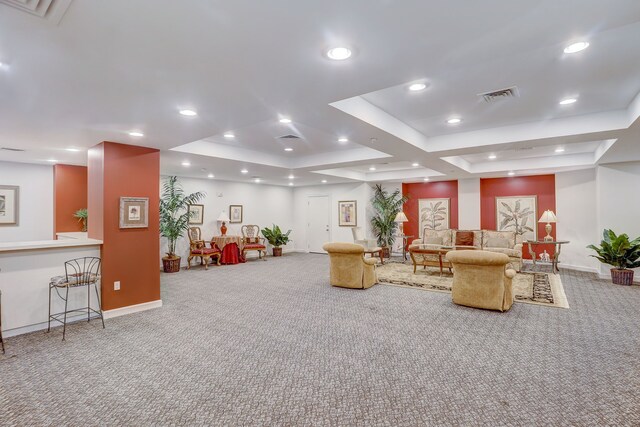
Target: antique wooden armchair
(198, 249)
(251, 241)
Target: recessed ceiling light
(492, 157)
(136, 133)
(52, 160)
(372, 168)
(324, 181)
(188, 113)
(186, 163)
(576, 47)
(567, 101)
(285, 120)
(73, 150)
(291, 177)
(511, 173)
(454, 121)
(426, 179)
(291, 183)
(339, 53)
(288, 149)
(559, 150)
(257, 180)
(417, 87)
(229, 135)
(211, 175)
(343, 139)
(244, 171)
(415, 165)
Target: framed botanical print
(348, 213)
(196, 214)
(519, 214)
(9, 198)
(235, 214)
(134, 212)
(433, 214)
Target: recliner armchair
(349, 267)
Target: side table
(405, 243)
(555, 259)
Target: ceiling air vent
(497, 95)
(52, 10)
(289, 137)
(11, 149)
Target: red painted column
(128, 255)
(69, 195)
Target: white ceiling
(102, 69)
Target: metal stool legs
(1, 339)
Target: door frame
(330, 222)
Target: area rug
(528, 287)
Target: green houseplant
(619, 252)
(83, 217)
(276, 238)
(386, 206)
(174, 218)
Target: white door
(317, 223)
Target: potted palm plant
(83, 217)
(174, 218)
(619, 252)
(276, 238)
(386, 206)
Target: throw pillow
(433, 241)
(464, 238)
(496, 242)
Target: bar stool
(79, 272)
(1, 339)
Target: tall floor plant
(386, 206)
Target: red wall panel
(427, 190)
(69, 195)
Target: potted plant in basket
(621, 253)
(386, 206)
(83, 217)
(276, 238)
(174, 218)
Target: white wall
(355, 191)
(35, 204)
(617, 200)
(469, 204)
(576, 209)
(263, 205)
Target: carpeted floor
(271, 343)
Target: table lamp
(224, 218)
(548, 216)
(400, 218)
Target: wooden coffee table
(441, 251)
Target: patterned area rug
(528, 287)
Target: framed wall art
(348, 213)
(196, 214)
(9, 198)
(235, 214)
(433, 214)
(519, 214)
(134, 212)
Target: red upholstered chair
(251, 241)
(198, 249)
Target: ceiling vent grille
(497, 95)
(289, 137)
(52, 10)
(11, 149)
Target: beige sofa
(349, 268)
(503, 242)
(481, 280)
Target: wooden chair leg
(189, 261)
(206, 262)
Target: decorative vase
(171, 264)
(622, 276)
(277, 251)
(223, 229)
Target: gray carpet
(271, 343)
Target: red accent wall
(542, 186)
(128, 255)
(69, 195)
(427, 190)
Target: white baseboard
(130, 309)
(580, 268)
(43, 326)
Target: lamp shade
(548, 216)
(401, 217)
(223, 217)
